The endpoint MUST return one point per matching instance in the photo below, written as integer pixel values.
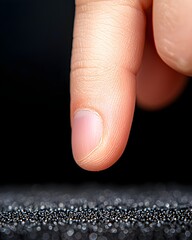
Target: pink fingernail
(87, 129)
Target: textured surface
(95, 212)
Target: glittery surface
(95, 212)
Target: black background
(35, 51)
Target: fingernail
(87, 129)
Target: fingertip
(100, 132)
(99, 139)
(106, 54)
(101, 156)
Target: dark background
(35, 51)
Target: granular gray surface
(95, 212)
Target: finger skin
(173, 33)
(158, 85)
(107, 49)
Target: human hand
(124, 52)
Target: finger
(173, 33)
(158, 85)
(107, 49)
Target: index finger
(107, 50)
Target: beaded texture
(95, 212)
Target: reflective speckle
(70, 232)
(96, 213)
(93, 236)
(38, 228)
(78, 235)
(187, 234)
